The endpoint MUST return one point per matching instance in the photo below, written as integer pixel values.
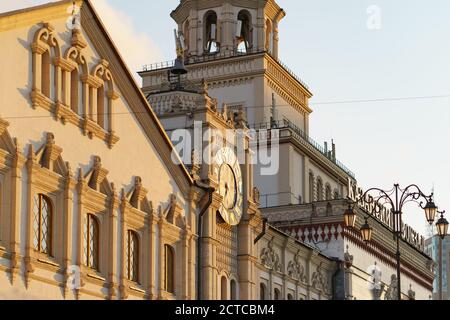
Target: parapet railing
(219, 56)
(300, 134)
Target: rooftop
(299, 134)
(219, 56)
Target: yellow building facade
(93, 205)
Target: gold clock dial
(227, 186)
(230, 186)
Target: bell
(178, 68)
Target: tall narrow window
(46, 74)
(101, 107)
(91, 242)
(211, 32)
(74, 90)
(319, 190)
(328, 193)
(42, 224)
(132, 256)
(276, 294)
(244, 32)
(233, 290)
(290, 297)
(262, 291)
(311, 187)
(224, 289)
(169, 269)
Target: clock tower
(213, 142)
(232, 45)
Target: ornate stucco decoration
(296, 270)
(137, 196)
(256, 195)
(319, 281)
(195, 165)
(64, 85)
(269, 258)
(96, 178)
(173, 213)
(348, 258)
(391, 292)
(49, 156)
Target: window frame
(169, 287)
(38, 247)
(89, 218)
(129, 276)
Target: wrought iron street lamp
(396, 199)
(366, 232)
(442, 226)
(430, 212)
(442, 229)
(350, 217)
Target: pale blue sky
(327, 43)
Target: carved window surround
(174, 232)
(96, 196)
(49, 175)
(137, 215)
(11, 164)
(87, 121)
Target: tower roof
(273, 10)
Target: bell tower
(228, 26)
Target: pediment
(6, 142)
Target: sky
(348, 51)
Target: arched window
(276, 295)
(290, 297)
(42, 224)
(169, 273)
(328, 193)
(132, 256)
(311, 187)
(243, 32)
(101, 106)
(233, 290)
(262, 291)
(223, 287)
(211, 32)
(319, 189)
(91, 242)
(269, 36)
(46, 74)
(74, 90)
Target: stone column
(15, 225)
(275, 40)
(209, 271)
(67, 225)
(153, 259)
(113, 238)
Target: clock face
(230, 186)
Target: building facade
(95, 203)
(232, 48)
(439, 250)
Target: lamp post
(442, 229)
(396, 198)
